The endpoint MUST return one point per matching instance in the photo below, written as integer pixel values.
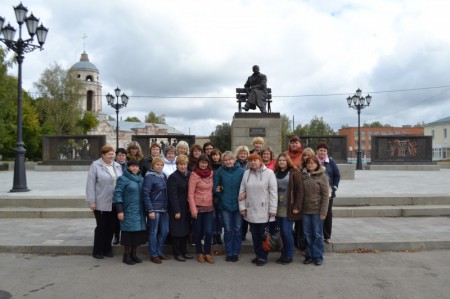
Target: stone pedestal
(246, 126)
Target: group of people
(191, 194)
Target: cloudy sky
(315, 53)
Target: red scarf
(294, 154)
(205, 173)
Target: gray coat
(100, 185)
(262, 194)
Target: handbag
(272, 242)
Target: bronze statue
(256, 87)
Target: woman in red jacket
(200, 199)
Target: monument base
(246, 126)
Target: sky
(185, 58)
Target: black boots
(127, 259)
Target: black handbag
(272, 242)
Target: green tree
(133, 119)
(8, 114)
(221, 137)
(88, 122)
(285, 129)
(59, 106)
(376, 124)
(316, 127)
(155, 119)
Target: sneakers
(283, 260)
(318, 262)
(307, 261)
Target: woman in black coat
(179, 216)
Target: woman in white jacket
(258, 202)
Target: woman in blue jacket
(155, 201)
(227, 181)
(130, 212)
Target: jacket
(100, 185)
(230, 179)
(317, 190)
(128, 199)
(334, 175)
(200, 192)
(262, 194)
(169, 167)
(295, 195)
(155, 192)
(177, 192)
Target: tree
(316, 127)
(155, 119)
(8, 114)
(59, 106)
(376, 124)
(133, 119)
(88, 122)
(221, 137)
(285, 128)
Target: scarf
(294, 154)
(205, 173)
(322, 161)
(281, 174)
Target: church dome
(84, 64)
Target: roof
(84, 63)
(442, 121)
(127, 126)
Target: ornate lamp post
(358, 103)
(117, 106)
(20, 47)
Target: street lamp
(20, 47)
(117, 106)
(358, 103)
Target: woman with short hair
(130, 212)
(227, 182)
(134, 151)
(182, 148)
(179, 217)
(194, 153)
(314, 209)
(100, 185)
(258, 202)
(267, 157)
(201, 207)
(257, 143)
(155, 201)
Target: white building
(439, 131)
(88, 73)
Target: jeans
(203, 227)
(313, 227)
(159, 228)
(103, 232)
(232, 236)
(286, 235)
(258, 230)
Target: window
(432, 133)
(445, 133)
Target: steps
(75, 207)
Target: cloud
(201, 49)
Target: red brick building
(366, 137)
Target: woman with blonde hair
(257, 143)
(134, 151)
(241, 155)
(182, 148)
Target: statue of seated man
(256, 87)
